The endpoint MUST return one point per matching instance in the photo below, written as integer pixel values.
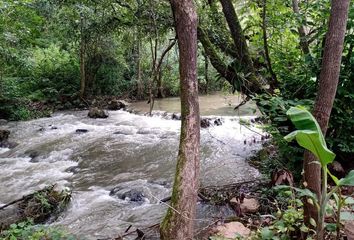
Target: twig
(27, 196)
(243, 125)
(215, 138)
(16, 201)
(244, 101)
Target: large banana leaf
(309, 134)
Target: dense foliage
(48, 47)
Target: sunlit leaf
(309, 134)
(348, 180)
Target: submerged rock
(97, 113)
(81, 130)
(3, 122)
(176, 116)
(4, 143)
(73, 169)
(217, 122)
(7, 144)
(33, 154)
(204, 123)
(4, 135)
(133, 195)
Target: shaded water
(216, 104)
(126, 151)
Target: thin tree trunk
(140, 86)
(206, 72)
(179, 220)
(225, 71)
(244, 57)
(82, 60)
(158, 72)
(328, 83)
(301, 30)
(274, 82)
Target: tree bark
(179, 220)
(304, 45)
(274, 82)
(244, 58)
(206, 73)
(158, 73)
(328, 83)
(140, 85)
(82, 60)
(224, 70)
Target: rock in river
(117, 105)
(133, 195)
(97, 113)
(4, 143)
(81, 130)
(4, 135)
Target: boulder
(7, 144)
(248, 205)
(217, 122)
(3, 122)
(4, 135)
(232, 230)
(204, 123)
(33, 154)
(176, 116)
(97, 113)
(73, 169)
(133, 195)
(4, 143)
(117, 105)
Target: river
(125, 151)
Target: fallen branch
(244, 101)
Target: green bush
(28, 231)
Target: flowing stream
(124, 152)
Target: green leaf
(267, 234)
(309, 134)
(313, 222)
(304, 229)
(334, 178)
(331, 227)
(348, 180)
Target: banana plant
(309, 136)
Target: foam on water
(126, 150)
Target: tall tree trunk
(240, 42)
(179, 220)
(206, 72)
(82, 60)
(328, 83)
(158, 72)
(224, 70)
(140, 85)
(304, 45)
(244, 57)
(273, 84)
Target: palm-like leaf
(309, 134)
